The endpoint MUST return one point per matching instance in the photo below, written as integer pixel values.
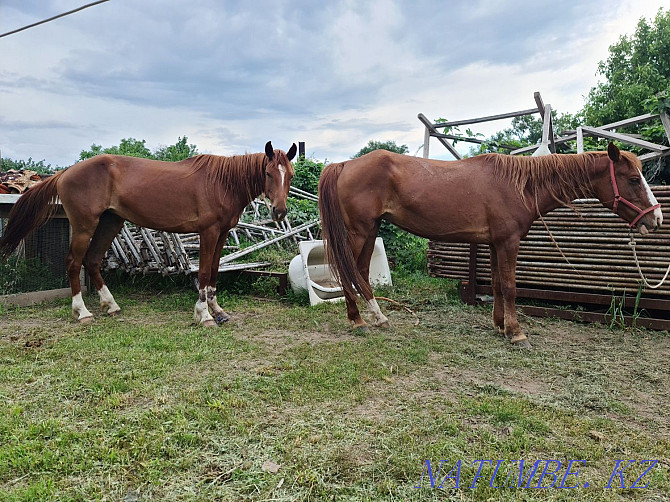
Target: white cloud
(232, 75)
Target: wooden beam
(426, 143)
(470, 140)
(32, 298)
(597, 131)
(580, 140)
(433, 132)
(484, 119)
(665, 120)
(540, 104)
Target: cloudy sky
(231, 75)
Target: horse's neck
(545, 202)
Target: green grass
(146, 406)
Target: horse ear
(268, 150)
(613, 152)
(291, 152)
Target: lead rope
(639, 269)
(551, 236)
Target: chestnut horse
(204, 194)
(490, 199)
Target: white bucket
(310, 271)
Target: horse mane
(237, 173)
(565, 177)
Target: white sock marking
(79, 308)
(201, 312)
(213, 304)
(379, 317)
(107, 302)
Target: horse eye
(634, 181)
(268, 174)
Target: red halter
(618, 198)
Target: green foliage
(174, 153)
(307, 173)
(137, 148)
(18, 275)
(381, 145)
(39, 167)
(129, 146)
(405, 251)
(302, 211)
(637, 68)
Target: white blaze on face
(282, 171)
(658, 215)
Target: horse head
(625, 191)
(278, 174)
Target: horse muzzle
(651, 222)
(278, 214)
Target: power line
(54, 17)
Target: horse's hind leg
(363, 264)
(73, 262)
(108, 228)
(362, 245)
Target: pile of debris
(14, 181)
(138, 250)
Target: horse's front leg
(208, 241)
(219, 315)
(498, 304)
(506, 253)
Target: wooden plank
(35, 297)
(665, 120)
(446, 144)
(583, 316)
(426, 143)
(582, 298)
(539, 103)
(469, 140)
(485, 119)
(625, 139)
(580, 140)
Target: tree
(39, 167)
(137, 148)
(638, 67)
(130, 146)
(381, 145)
(179, 151)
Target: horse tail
(32, 210)
(335, 236)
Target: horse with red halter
(488, 199)
(204, 194)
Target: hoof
(222, 317)
(360, 330)
(113, 314)
(521, 341)
(384, 325)
(86, 320)
(209, 323)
